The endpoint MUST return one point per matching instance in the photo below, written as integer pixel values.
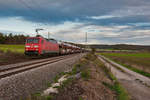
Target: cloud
(75, 32)
(101, 17)
(56, 11)
(105, 21)
(69, 31)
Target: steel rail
(19, 69)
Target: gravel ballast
(20, 86)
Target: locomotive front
(32, 46)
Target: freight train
(41, 46)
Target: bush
(85, 75)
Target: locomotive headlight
(36, 46)
(27, 46)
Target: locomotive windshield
(33, 40)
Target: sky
(104, 21)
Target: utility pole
(37, 31)
(86, 40)
(48, 35)
(86, 37)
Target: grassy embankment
(95, 79)
(137, 62)
(12, 48)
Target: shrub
(85, 75)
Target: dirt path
(138, 86)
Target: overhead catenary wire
(34, 12)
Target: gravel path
(136, 84)
(21, 85)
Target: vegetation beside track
(94, 79)
(137, 62)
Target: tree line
(12, 39)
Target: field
(138, 62)
(12, 48)
(10, 54)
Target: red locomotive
(41, 46)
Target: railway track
(21, 68)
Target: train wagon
(40, 46)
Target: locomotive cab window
(33, 40)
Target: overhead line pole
(37, 30)
(86, 37)
(48, 35)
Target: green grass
(85, 74)
(12, 48)
(38, 96)
(76, 69)
(139, 59)
(66, 82)
(58, 76)
(120, 91)
(127, 54)
(49, 97)
(135, 70)
(80, 98)
(122, 94)
(105, 69)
